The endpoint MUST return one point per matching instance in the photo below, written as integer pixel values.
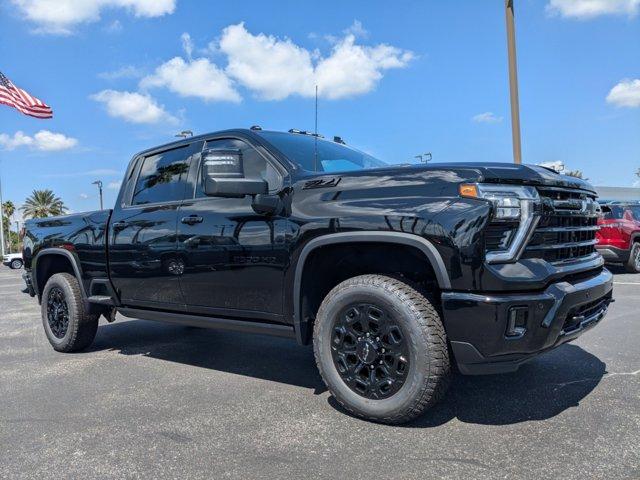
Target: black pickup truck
(396, 274)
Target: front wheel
(381, 349)
(69, 328)
(16, 264)
(633, 264)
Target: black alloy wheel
(57, 312)
(68, 325)
(370, 351)
(381, 348)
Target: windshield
(617, 212)
(330, 157)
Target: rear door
(235, 257)
(143, 256)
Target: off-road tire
(82, 326)
(633, 265)
(429, 367)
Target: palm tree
(8, 209)
(41, 204)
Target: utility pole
(99, 184)
(513, 82)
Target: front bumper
(477, 324)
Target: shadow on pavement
(541, 389)
(268, 358)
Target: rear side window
(163, 177)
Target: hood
(480, 172)
(528, 175)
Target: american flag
(20, 100)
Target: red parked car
(619, 235)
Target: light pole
(99, 184)
(513, 82)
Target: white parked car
(13, 260)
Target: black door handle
(119, 225)
(192, 219)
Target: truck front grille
(567, 227)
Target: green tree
(41, 204)
(8, 209)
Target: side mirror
(223, 175)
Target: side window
(255, 165)
(162, 177)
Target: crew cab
(619, 234)
(394, 273)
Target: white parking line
(626, 283)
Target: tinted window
(617, 212)
(162, 177)
(318, 155)
(254, 164)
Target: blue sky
(396, 79)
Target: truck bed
(83, 235)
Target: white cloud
(60, 16)
(193, 78)
(128, 71)
(114, 27)
(625, 94)
(114, 185)
(586, 9)
(187, 44)
(275, 68)
(44, 140)
(486, 117)
(19, 139)
(133, 107)
(271, 67)
(83, 196)
(354, 69)
(357, 29)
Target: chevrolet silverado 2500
(396, 274)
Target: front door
(143, 255)
(235, 258)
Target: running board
(285, 331)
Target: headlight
(511, 203)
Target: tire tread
(83, 325)
(427, 316)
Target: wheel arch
(50, 261)
(426, 247)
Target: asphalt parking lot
(159, 401)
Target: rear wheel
(67, 326)
(381, 349)
(16, 264)
(633, 264)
